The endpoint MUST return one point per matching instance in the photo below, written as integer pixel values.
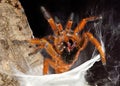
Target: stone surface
(14, 50)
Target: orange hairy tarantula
(65, 43)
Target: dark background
(109, 9)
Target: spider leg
(98, 46)
(43, 43)
(49, 19)
(82, 23)
(58, 25)
(84, 41)
(70, 22)
(48, 62)
(34, 41)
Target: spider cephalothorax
(65, 45)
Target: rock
(14, 50)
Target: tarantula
(65, 43)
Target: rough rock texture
(14, 50)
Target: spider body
(65, 45)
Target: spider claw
(71, 16)
(57, 20)
(104, 63)
(98, 18)
(45, 13)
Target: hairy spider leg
(69, 23)
(84, 40)
(34, 41)
(58, 24)
(58, 66)
(43, 43)
(82, 23)
(98, 46)
(49, 19)
(48, 62)
(55, 25)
